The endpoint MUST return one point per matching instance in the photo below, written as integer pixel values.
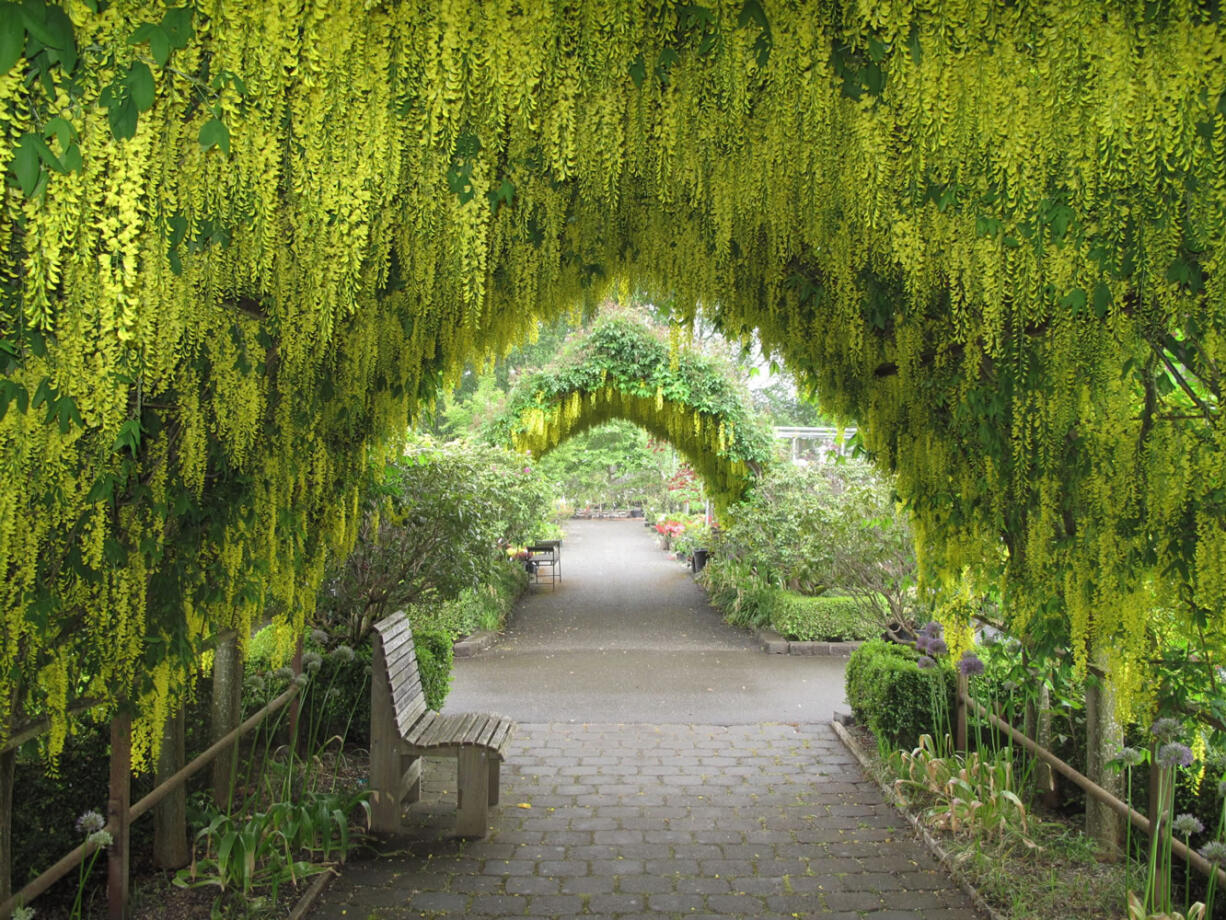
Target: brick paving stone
(625, 821)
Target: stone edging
(475, 643)
(774, 644)
(312, 895)
(931, 842)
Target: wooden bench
(403, 730)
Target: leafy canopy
(992, 233)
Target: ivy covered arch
(623, 370)
(242, 241)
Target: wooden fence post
(227, 699)
(1104, 739)
(118, 804)
(8, 768)
(170, 849)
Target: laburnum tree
(241, 241)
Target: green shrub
(734, 590)
(828, 618)
(337, 701)
(484, 607)
(896, 698)
(435, 656)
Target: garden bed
(1059, 874)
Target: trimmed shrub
(896, 698)
(435, 656)
(828, 618)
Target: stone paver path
(652, 819)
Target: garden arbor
(621, 370)
(242, 241)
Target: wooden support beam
(8, 768)
(227, 698)
(119, 817)
(170, 847)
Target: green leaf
(46, 154)
(1102, 300)
(35, 20)
(67, 413)
(26, 166)
(504, 194)
(214, 133)
(638, 71)
(752, 12)
(103, 489)
(177, 24)
(61, 129)
(64, 42)
(45, 393)
(913, 45)
(71, 159)
(122, 118)
(10, 390)
(12, 36)
(177, 229)
(874, 79)
(141, 85)
(467, 146)
(1179, 272)
(129, 437)
(1075, 300)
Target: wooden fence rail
(1091, 788)
(121, 813)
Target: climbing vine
(623, 369)
(241, 242)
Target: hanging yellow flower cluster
(622, 369)
(242, 240)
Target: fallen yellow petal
(523, 805)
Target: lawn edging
(774, 644)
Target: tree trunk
(1104, 738)
(170, 849)
(1038, 728)
(227, 697)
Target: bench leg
(495, 770)
(411, 764)
(474, 793)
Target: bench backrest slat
(394, 643)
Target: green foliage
(251, 856)
(435, 657)
(625, 369)
(897, 699)
(614, 465)
(837, 526)
(484, 607)
(974, 794)
(734, 589)
(828, 618)
(437, 525)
